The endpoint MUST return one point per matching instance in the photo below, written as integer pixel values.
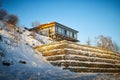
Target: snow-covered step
(52, 46)
(90, 54)
(87, 50)
(68, 63)
(65, 54)
(90, 48)
(94, 70)
(81, 58)
(79, 53)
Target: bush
(12, 19)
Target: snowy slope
(19, 61)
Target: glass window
(75, 35)
(58, 29)
(70, 34)
(63, 31)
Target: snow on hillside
(33, 39)
(19, 61)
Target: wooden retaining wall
(81, 58)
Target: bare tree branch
(106, 42)
(88, 42)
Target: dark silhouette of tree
(12, 19)
(3, 13)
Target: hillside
(20, 61)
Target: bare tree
(35, 23)
(3, 13)
(116, 47)
(106, 42)
(12, 19)
(88, 42)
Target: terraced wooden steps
(81, 58)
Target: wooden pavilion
(56, 31)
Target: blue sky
(90, 17)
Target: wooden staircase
(81, 58)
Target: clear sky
(90, 17)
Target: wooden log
(93, 70)
(83, 64)
(82, 58)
